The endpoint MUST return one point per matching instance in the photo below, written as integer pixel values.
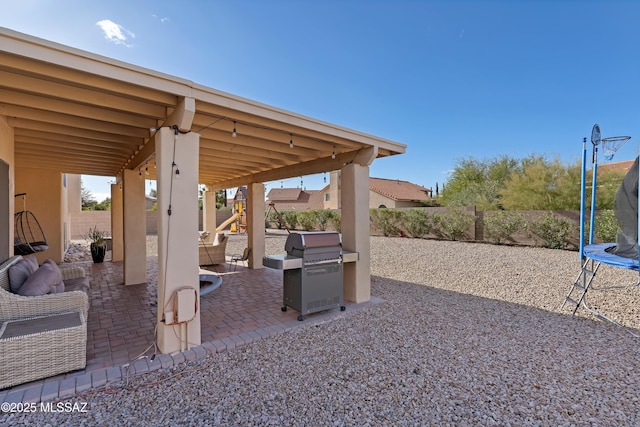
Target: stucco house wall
(44, 199)
(377, 200)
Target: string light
(234, 134)
(290, 141)
(325, 177)
(333, 154)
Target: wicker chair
(213, 253)
(41, 336)
(13, 306)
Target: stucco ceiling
(81, 113)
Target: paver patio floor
(122, 319)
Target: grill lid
(301, 241)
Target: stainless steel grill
(312, 272)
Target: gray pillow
(20, 272)
(41, 282)
(57, 289)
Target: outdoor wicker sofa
(210, 253)
(42, 336)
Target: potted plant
(98, 244)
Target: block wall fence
(81, 222)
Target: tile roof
(622, 166)
(399, 190)
(282, 194)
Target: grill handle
(327, 261)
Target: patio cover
(82, 113)
(74, 112)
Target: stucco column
(7, 168)
(255, 224)
(209, 211)
(117, 246)
(178, 280)
(355, 231)
(134, 228)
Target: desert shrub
(306, 220)
(335, 220)
(454, 223)
(501, 225)
(606, 226)
(323, 216)
(386, 221)
(290, 218)
(416, 222)
(272, 220)
(553, 230)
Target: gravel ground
(469, 334)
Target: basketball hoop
(595, 135)
(611, 145)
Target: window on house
(327, 197)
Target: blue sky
(450, 79)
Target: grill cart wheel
(283, 308)
(343, 308)
(300, 318)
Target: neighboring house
(295, 199)
(394, 193)
(622, 166)
(383, 193)
(149, 202)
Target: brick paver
(122, 319)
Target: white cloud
(163, 20)
(115, 32)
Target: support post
(209, 211)
(117, 246)
(134, 228)
(178, 271)
(355, 231)
(255, 224)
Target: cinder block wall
(81, 222)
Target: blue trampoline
(598, 252)
(624, 252)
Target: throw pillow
(42, 280)
(57, 289)
(20, 272)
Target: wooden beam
(94, 97)
(78, 78)
(300, 169)
(28, 125)
(71, 121)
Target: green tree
(538, 187)
(88, 201)
(104, 205)
(478, 182)
(550, 185)
(221, 199)
(607, 187)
